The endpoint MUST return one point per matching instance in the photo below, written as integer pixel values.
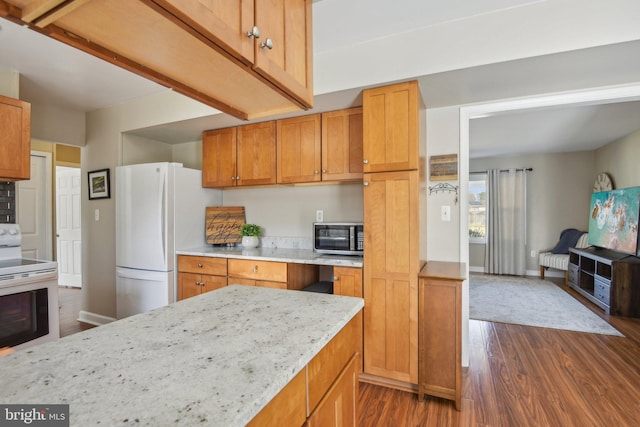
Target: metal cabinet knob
(255, 32)
(255, 269)
(199, 265)
(233, 178)
(366, 183)
(267, 43)
(316, 172)
(365, 161)
(336, 278)
(324, 171)
(237, 178)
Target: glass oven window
(333, 238)
(24, 316)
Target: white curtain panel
(506, 222)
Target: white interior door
(34, 209)
(69, 236)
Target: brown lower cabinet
(197, 275)
(325, 392)
(440, 344)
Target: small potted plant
(250, 234)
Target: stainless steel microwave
(339, 238)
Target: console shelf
(609, 279)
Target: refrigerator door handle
(163, 219)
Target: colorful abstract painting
(613, 222)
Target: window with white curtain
(477, 208)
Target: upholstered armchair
(558, 257)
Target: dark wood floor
(70, 302)
(517, 376)
(528, 376)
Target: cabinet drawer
(573, 274)
(202, 265)
(602, 291)
(258, 270)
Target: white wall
(137, 149)
(540, 28)
(290, 211)
(9, 83)
(443, 137)
(620, 160)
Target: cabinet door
(391, 127)
(15, 139)
(347, 281)
(219, 157)
(441, 338)
(226, 22)
(298, 148)
(289, 61)
(339, 407)
(342, 145)
(211, 283)
(391, 275)
(256, 156)
(188, 285)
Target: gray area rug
(532, 302)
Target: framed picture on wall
(99, 184)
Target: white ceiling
(55, 74)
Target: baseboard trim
(549, 273)
(473, 269)
(94, 319)
(389, 383)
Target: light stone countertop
(300, 256)
(216, 359)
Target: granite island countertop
(216, 359)
(300, 256)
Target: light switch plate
(319, 216)
(445, 213)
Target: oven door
(28, 310)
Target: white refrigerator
(160, 208)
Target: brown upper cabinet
(342, 145)
(298, 149)
(232, 55)
(15, 139)
(326, 147)
(391, 127)
(243, 155)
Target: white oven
(28, 295)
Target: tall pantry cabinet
(394, 208)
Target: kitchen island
(221, 358)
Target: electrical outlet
(319, 216)
(96, 214)
(533, 254)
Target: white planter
(250, 242)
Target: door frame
(582, 97)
